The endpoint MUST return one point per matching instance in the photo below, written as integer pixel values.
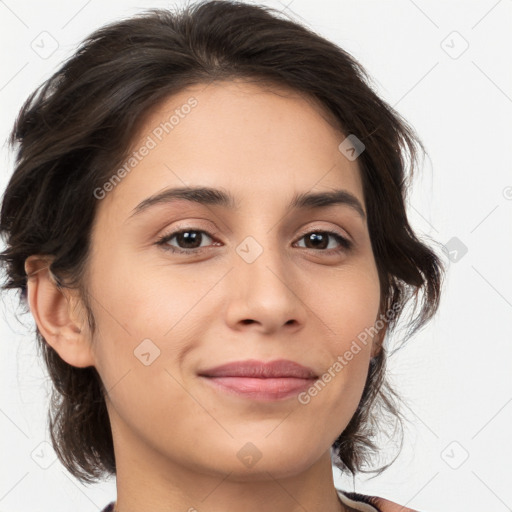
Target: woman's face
(259, 279)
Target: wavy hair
(78, 126)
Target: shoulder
(366, 503)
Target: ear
(54, 311)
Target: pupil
(315, 237)
(190, 237)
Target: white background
(456, 373)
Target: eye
(318, 239)
(189, 241)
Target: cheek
(348, 301)
(349, 307)
(148, 318)
(134, 302)
(129, 324)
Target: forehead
(260, 142)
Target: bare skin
(177, 438)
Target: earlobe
(53, 309)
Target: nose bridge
(264, 281)
(261, 264)
(260, 256)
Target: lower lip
(268, 389)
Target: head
(287, 239)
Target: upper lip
(260, 369)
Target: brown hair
(78, 126)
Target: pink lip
(258, 380)
(260, 369)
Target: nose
(264, 294)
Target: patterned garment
(357, 501)
(370, 503)
(352, 499)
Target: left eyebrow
(217, 197)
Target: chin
(264, 460)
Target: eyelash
(346, 245)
